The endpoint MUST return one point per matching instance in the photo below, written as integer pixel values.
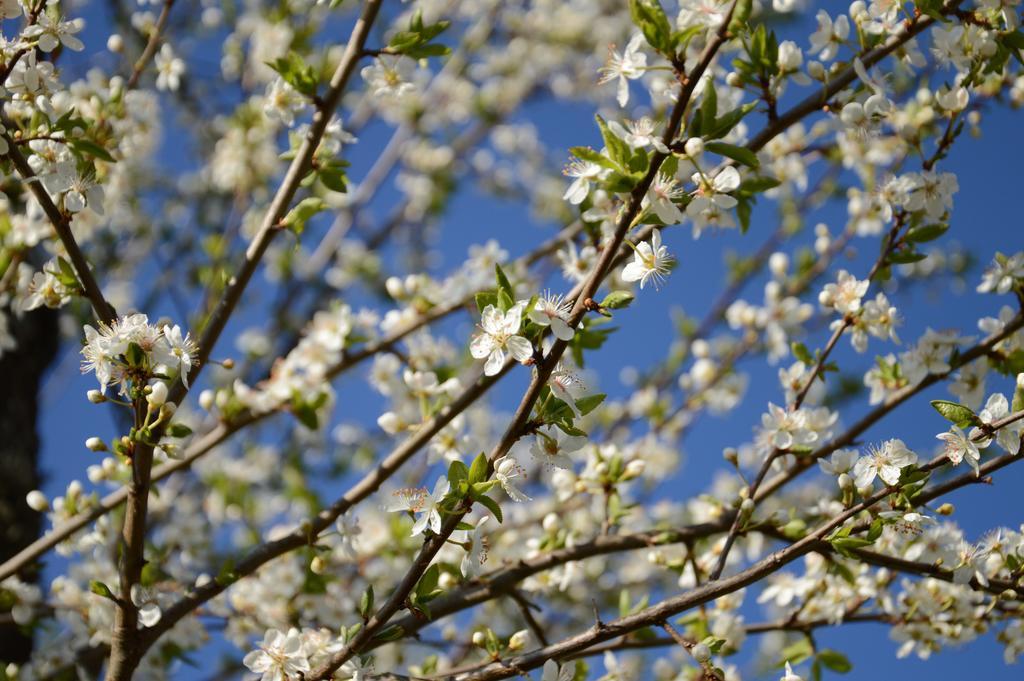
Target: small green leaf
(589, 403)
(101, 589)
(926, 233)
(457, 472)
(736, 153)
(392, 633)
(503, 282)
(491, 506)
(298, 216)
(955, 413)
(179, 430)
(834, 660)
(617, 300)
(366, 603)
(478, 470)
(650, 18)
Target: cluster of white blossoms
(131, 349)
(277, 539)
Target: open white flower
(417, 501)
(627, 66)
(499, 331)
(176, 351)
(651, 262)
(960, 447)
(551, 310)
(553, 447)
(476, 551)
(146, 601)
(884, 462)
(506, 470)
(280, 657)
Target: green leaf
(955, 413)
(298, 216)
(736, 153)
(801, 352)
(88, 148)
(617, 300)
(846, 545)
(101, 589)
(392, 633)
(905, 257)
(652, 21)
(491, 506)
(723, 125)
(334, 178)
(66, 276)
(366, 603)
(179, 430)
(797, 652)
(589, 403)
(926, 233)
(457, 472)
(293, 70)
(834, 660)
(618, 150)
(427, 589)
(709, 103)
(478, 470)
(592, 156)
(503, 282)
(485, 298)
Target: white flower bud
(778, 263)
(395, 288)
(479, 638)
(634, 469)
(115, 43)
(700, 348)
(858, 10)
(734, 79)
(550, 522)
(701, 653)
(206, 399)
(519, 640)
(318, 565)
(37, 501)
(1020, 381)
(731, 455)
(790, 56)
(95, 473)
(158, 394)
(845, 481)
(74, 489)
(109, 465)
(694, 147)
(816, 70)
(96, 397)
(747, 507)
(389, 422)
(865, 491)
(96, 444)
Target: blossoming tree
(500, 516)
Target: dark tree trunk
(21, 373)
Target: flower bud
(1020, 381)
(731, 455)
(550, 522)
(845, 482)
(318, 565)
(778, 263)
(479, 638)
(96, 444)
(734, 79)
(865, 491)
(747, 507)
(115, 43)
(158, 394)
(74, 489)
(946, 509)
(37, 501)
(96, 474)
(395, 288)
(816, 70)
(389, 422)
(634, 469)
(701, 653)
(694, 147)
(519, 640)
(206, 399)
(96, 397)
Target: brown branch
(151, 45)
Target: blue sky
(986, 218)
